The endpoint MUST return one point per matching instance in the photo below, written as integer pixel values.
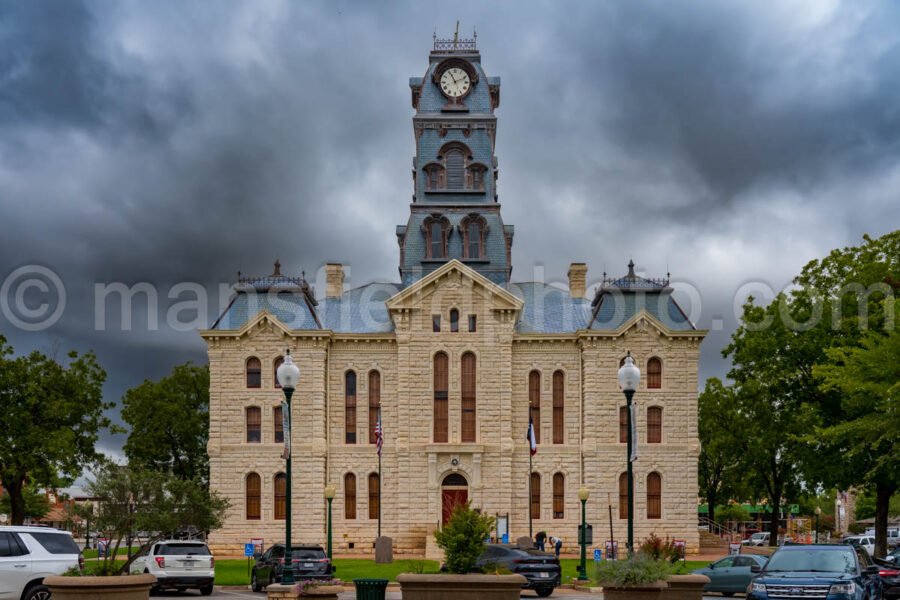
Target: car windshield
(308, 554)
(830, 561)
(182, 549)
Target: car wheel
(37, 592)
(254, 584)
(206, 591)
(543, 593)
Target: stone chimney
(334, 280)
(577, 280)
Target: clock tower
(455, 211)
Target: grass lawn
(123, 551)
(234, 571)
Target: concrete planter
(120, 587)
(470, 587)
(685, 587)
(277, 591)
(648, 591)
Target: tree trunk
(776, 516)
(711, 504)
(16, 500)
(883, 495)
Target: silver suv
(28, 554)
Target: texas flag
(532, 441)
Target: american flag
(379, 435)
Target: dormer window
(475, 179)
(474, 230)
(454, 171)
(455, 160)
(437, 230)
(434, 177)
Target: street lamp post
(818, 512)
(629, 377)
(329, 495)
(288, 375)
(583, 495)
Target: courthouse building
(456, 356)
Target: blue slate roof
(291, 308)
(360, 310)
(614, 309)
(549, 309)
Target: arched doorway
(454, 491)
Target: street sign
(612, 550)
(249, 550)
(588, 538)
(286, 426)
(598, 554)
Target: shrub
(639, 570)
(462, 538)
(416, 566)
(657, 549)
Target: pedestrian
(556, 543)
(540, 540)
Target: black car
(832, 571)
(889, 571)
(309, 562)
(541, 569)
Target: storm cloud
(727, 142)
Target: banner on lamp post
(286, 426)
(634, 438)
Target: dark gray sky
(728, 142)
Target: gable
(454, 275)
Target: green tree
(130, 499)
(720, 473)
(169, 422)
(462, 538)
(36, 503)
(52, 414)
(868, 378)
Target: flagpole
(530, 492)
(379, 474)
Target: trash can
(370, 589)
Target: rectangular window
(473, 323)
(374, 496)
(654, 496)
(473, 234)
(454, 321)
(559, 496)
(350, 408)
(349, 496)
(623, 424)
(254, 425)
(468, 427)
(654, 425)
(437, 240)
(441, 412)
(280, 497)
(558, 407)
(535, 496)
(436, 323)
(278, 421)
(374, 402)
(623, 496)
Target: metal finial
(277, 271)
(631, 269)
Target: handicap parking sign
(249, 549)
(598, 554)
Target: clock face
(455, 82)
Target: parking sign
(248, 549)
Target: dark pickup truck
(820, 572)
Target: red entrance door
(451, 499)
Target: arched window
(441, 413)
(654, 373)
(654, 425)
(654, 496)
(280, 496)
(455, 161)
(374, 495)
(559, 496)
(535, 496)
(468, 428)
(475, 178)
(454, 320)
(474, 230)
(534, 403)
(278, 421)
(374, 402)
(278, 363)
(254, 424)
(623, 424)
(434, 177)
(623, 496)
(350, 407)
(253, 495)
(559, 391)
(254, 372)
(437, 230)
(349, 496)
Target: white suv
(28, 554)
(178, 564)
